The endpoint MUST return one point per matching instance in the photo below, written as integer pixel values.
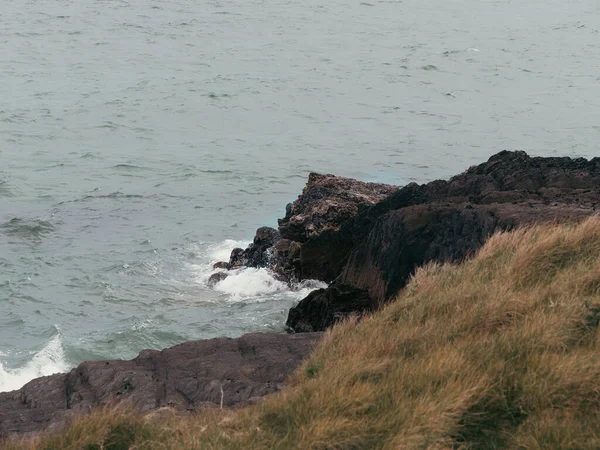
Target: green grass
(501, 351)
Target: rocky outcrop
(378, 249)
(324, 307)
(193, 375)
(258, 254)
(370, 237)
(326, 202)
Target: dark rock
(221, 265)
(326, 202)
(324, 307)
(217, 278)
(405, 239)
(380, 247)
(286, 259)
(186, 377)
(237, 258)
(259, 253)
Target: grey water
(141, 140)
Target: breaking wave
(49, 360)
(250, 284)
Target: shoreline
(366, 239)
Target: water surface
(142, 140)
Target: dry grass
(499, 352)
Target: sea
(142, 140)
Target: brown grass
(501, 351)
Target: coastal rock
(187, 377)
(259, 253)
(286, 259)
(444, 221)
(216, 278)
(324, 307)
(405, 239)
(326, 202)
(237, 258)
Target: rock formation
(326, 203)
(368, 238)
(445, 221)
(187, 377)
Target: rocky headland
(364, 239)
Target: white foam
(248, 283)
(222, 250)
(49, 360)
(302, 289)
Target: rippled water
(137, 137)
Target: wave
(5, 190)
(222, 250)
(27, 228)
(128, 167)
(259, 284)
(49, 360)
(249, 284)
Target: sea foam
(249, 284)
(49, 360)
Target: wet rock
(186, 377)
(259, 253)
(216, 278)
(237, 258)
(324, 307)
(446, 221)
(221, 265)
(286, 259)
(325, 203)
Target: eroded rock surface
(187, 377)
(326, 202)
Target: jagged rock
(324, 307)
(259, 253)
(326, 202)
(186, 377)
(379, 248)
(286, 258)
(237, 258)
(411, 237)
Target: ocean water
(141, 140)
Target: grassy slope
(499, 352)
